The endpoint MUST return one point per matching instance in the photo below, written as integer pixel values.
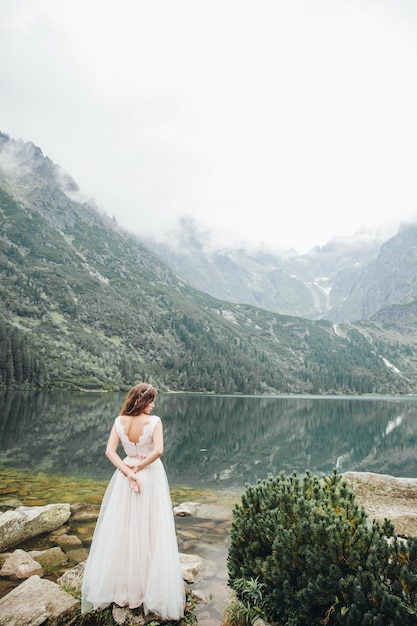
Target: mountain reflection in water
(215, 441)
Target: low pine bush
(317, 558)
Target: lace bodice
(144, 446)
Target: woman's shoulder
(121, 422)
(152, 424)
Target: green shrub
(246, 611)
(318, 557)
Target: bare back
(133, 426)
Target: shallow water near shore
(40, 488)
(206, 538)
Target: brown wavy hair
(138, 399)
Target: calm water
(219, 442)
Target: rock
(26, 522)
(199, 596)
(119, 615)
(185, 509)
(58, 532)
(3, 557)
(38, 601)
(21, 565)
(78, 555)
(208, 525)
(133, 617)
(11, 503)
(203, 511)
(205, 618)
(86, 516)
(193, 567)
(384, 496)
(66, 541)
(188, 533)
(12, 526)
(124, 616)
(189, 545)
(49, 558)
(73, 579)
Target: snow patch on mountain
(323, 283)
(337, 331)
(228, 315)
(390, 365)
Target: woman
(133, 558)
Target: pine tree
(319, 558)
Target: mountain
(85, 305)
(389, 279)
(345, 280)
(313, 285)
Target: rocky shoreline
(43, 550)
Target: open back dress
(134, 558)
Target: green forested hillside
(86, 305)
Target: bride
(134, 558)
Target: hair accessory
(146, 390)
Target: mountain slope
(84, 304)
(388, 280)
(312, 285)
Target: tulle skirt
(134, 558)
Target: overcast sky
(285, 122)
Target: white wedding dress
(134, 558)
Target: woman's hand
(134, 480)
(134, 467)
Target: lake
(214, 442)
(214, 445)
